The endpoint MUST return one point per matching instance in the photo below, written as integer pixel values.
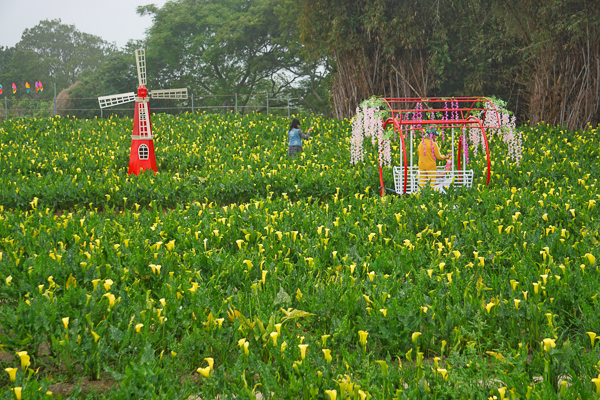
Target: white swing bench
(439, 180)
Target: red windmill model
(142, 144)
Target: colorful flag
(27, 87)
(41, 86)
(14, 88)
(1, 89)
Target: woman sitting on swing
(429, 151)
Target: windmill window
(143, 152)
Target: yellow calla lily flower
(205, 372)
(548, 343)
(415, 336)
(25, 360)
(362, 337)
(327, 354)
(12, 373)
(303, 348)
(332, 394)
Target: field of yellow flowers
(236, 272)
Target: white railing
(439, 180)
(46, 107)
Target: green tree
(20, 66)
(223, 47)
(560, 44)
(117, 74)
(52, 52)
(541, 56)
(399, 48)
(63, 51)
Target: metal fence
(89, 108)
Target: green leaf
(116, 334)
(282, 297)
(294, 315)
(148, 354)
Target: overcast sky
(115, 21)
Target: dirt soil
(87, 386)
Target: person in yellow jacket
(429, 151)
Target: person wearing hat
(429, 151)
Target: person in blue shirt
(295, 137)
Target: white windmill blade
(140, 60)
(169, 94)
(144, 127)
(116, 99)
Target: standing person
(429, 151)
(295, 137)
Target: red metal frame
(401, 108)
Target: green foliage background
(539, 56)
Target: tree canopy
(229, 46)
(53, 52)
(539, 55)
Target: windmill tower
(142, 144)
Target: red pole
(487, 152)
(396, 125)
(405, 162)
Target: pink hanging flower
(419, 114)
(445, 119)
(367, 123)
(356, 141)
(504, 126)
(455, 109)
(465, 148)
(476, 138)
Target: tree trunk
(565, 86)
(357, 78)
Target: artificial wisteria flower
(356, 142)
(454, 109)
(511, 137)
(465, 145)
(385, 149)
(367, 123)
(475, 137)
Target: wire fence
(88, 107)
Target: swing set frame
(406, 117)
